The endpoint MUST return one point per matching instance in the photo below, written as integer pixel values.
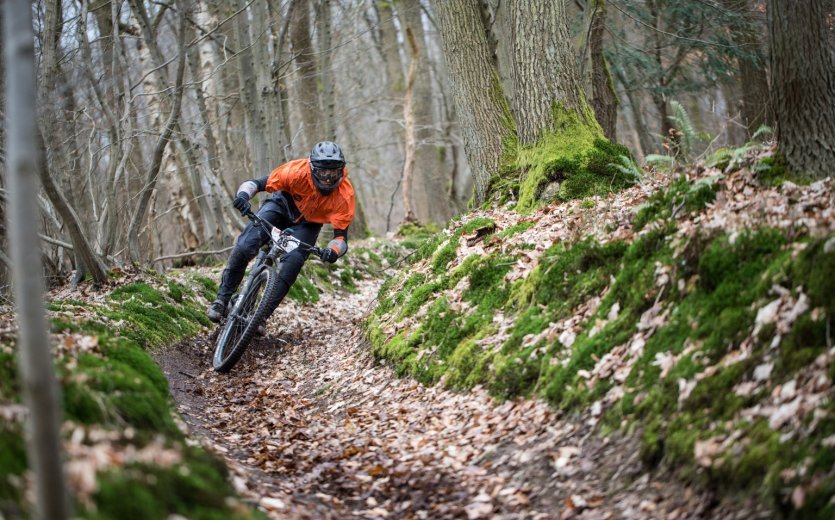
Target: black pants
(277, 212)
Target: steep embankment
(693, 316)
(127, 455)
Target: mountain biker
(306, 193)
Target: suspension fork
(259, 265)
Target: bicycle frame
(281, 242)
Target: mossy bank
(683, 315)
(120, 428)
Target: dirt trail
(311, 427)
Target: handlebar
(258, 221)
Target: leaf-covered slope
(120, 433)
(696, 312)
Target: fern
(628, 168)
(689, 135)
(763, 130)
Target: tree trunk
(40, 392)
(604, 100)
(81, 246)
(430, 180)
(328, 103)
(645, 139)
(307, 89)
(391, 51)
(255, 125)
(159, 150)
(803, 83)
(409, 139)
(480, 103)
(544, 74)
(752, 72)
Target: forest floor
(312, 427)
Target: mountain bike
(254, 303)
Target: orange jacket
(294, 178)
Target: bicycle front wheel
(241, 325)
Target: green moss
(207, 286)
(680, 198)
(151, 318)
(9, 385)
(517, 228)
(774, 171)
(445, 255)
(122, 387)
(575, 155)
(12, 467)
(175, 291)
(303, 290)
(196, 488)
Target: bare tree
(159, 150)
(35, 359)
(83, 250)
(430, 198)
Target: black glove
(241, 203)
(329, 255)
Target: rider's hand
(241, 202)
(329, 255)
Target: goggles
(328, 177)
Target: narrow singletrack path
(312, 427)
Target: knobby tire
(257, 305)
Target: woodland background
(146, 144)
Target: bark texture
(255, 124)
(479, 100)
(307, 87)
(544, 74)
(604, 100)
(803, 82)
(328, 101)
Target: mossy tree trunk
(481, 105)
(803, 84)
(543, 71)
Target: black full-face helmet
(326, 166)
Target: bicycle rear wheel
(240, 326)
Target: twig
(190, 253)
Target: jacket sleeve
(253, 186)
(340, 241)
